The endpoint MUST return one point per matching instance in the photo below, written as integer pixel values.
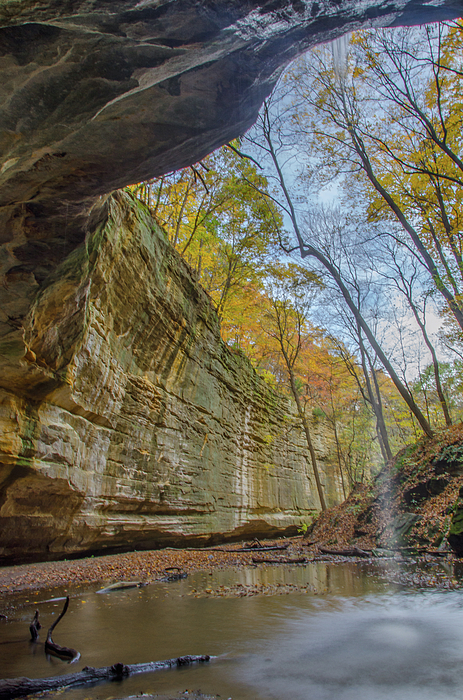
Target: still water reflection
(350, 636)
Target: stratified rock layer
(94, 95)
(148, 430)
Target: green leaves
(217, 216)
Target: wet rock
(455, 536)
(400, 527)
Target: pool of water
(350, 635)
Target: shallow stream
(349, 636)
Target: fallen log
(438, 552)
(19, 687)
(247, 549)
(122, 586)
(280, 560)
(261, 549)
(351, 552)
(55, 649)
(34, 627)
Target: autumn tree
(267, 138)
(216, 219)
(404, 274)
(290, 295)
(451, 380)
(389, 124)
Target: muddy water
(349, 636)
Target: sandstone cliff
(148, 429)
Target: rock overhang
(97, 95)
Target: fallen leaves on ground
(145, 567)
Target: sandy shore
(134, 566)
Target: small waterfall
(340, 53)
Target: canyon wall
(124, 421)
(148, 429)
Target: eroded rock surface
(99, 94)
(146, 429)
(96, 94)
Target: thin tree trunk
(308, 437)
(180, 216)
(307, 250)
(435, 365)
(338, 447)
(376, 404)
(451, 300)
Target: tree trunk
(376, 403)
(309, 250)
(308, 437)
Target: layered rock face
(152, 431)
(94, 95)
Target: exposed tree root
(56, 649)
(35, 626)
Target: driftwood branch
(19, 687)
(56, 649)
(281, 560)
(122, 586)
(351, 552)
(35, 626)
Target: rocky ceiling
(97, 94)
